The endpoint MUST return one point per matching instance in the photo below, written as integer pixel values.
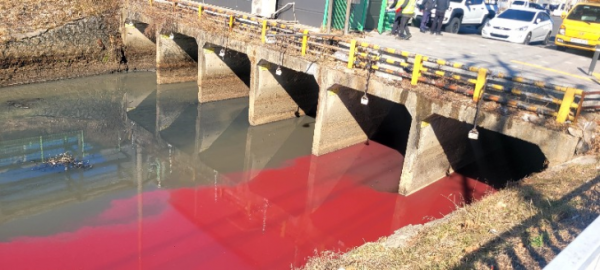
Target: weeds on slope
(523, 226)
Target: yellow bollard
(417, 66)
(200, 12)
(352, 54)
(565, 106)
(304, 42)
(264, 32)
(151, 2)
(230, 23)
(480, 84)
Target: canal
(116, 172)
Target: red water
(274, 220)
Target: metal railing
(563, 103)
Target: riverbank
(523, 226)
(41, 41)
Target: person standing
(426, 8)
(405, 9)
(440, 11)
(395, 6)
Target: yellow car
(580, 29)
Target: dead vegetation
(21, 17)
(523, 226)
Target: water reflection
(177, 185)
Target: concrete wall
(307, 12)
(277, 97)
(239, 5)
(222, 77)
(176, 58)
(140, 50)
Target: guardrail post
(352, 54)
(417, 66)
(480, 84)
(304, 42)
(199, 11)
(565, 105)
(594, 60)
(264, 32)
(230, 23)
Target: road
(536, 61)
(557, 21)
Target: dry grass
(25, 16)
(521, 227)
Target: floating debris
(68, 161)
(22, 103)
(17, 104)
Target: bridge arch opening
(223, 73)
(279, 93)
(493, 158)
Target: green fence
(358, 14)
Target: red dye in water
(270, 219)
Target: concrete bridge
(229, 56)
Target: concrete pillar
(221, 78)
(337, 125)
(276, 97)
(140, 50)
(342, 120)
(434, 148)
(176, 58)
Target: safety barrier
(562, 102)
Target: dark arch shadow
(494, 158)
(382, 120)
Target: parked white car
(559, 10)
(462, 12)
(520, 25)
